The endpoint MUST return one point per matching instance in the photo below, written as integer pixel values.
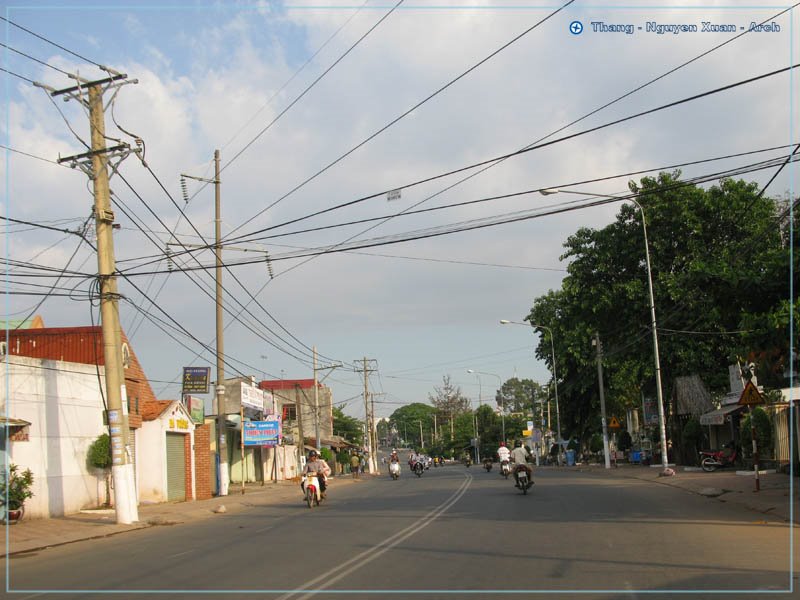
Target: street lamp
(555, 377)
(502, 405)
(659, 394)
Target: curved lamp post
(555, 375)
(659, 393)
(502, 406)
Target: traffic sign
(614, 423)
(750, 395)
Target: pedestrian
(363, 463)
(354, 465)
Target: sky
(316, 104)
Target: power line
(336, 62)
(31, 81)
(56, 45)
(41, 62)
(403, 115)
(536, 147)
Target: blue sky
(213, 75)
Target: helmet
(502, 444)
(518, 444)
(312, 454)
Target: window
(289, 412)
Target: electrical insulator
(269, 266)
(185, 191)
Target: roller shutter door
(176, 462)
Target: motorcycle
(711, 460)
(311, 489)
(468, 462)
(522, 475)
(505, 468)
(487, 464)
(418, 468)
(394, 470)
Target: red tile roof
(81, 345)
(152, 409)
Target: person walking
(355, 465)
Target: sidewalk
(724, 485)
(35, 534)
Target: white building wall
(62, 402)
(153, 454)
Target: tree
(348, 427)
(99, 457)
(517, 395)
(408, 419)
(719, 259)
(449, 402)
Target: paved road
(452, 529)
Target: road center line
(335, 574)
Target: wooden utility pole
(95, 164)
(316, 402)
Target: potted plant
(15, 488)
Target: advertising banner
(195, 380)
(196, 408)
(252, 397)
(262, 433)
(650, 409)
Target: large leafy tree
(720, 263)
(449, 403)
(348, 427)
(408, 420)
(518, 395)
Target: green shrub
(624, 441)
(326, 454)
(596, 442)
(17, 488)
(99, 454)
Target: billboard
(195, 380)
(262, 433)
(252, 397)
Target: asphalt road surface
(453, 533)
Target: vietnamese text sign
(262, 433)
(195, 380)
(252, 397)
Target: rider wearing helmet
(394, 457)
(520, 456)
(316, 465)
(503, 453)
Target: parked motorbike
(487, 464)
(505, 468)
(418, 468)
(522, 475)
(711, 460)
(394, 470)
(312, 491)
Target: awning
(717, 417)
(9, 422)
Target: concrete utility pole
(316, 401)
(368, 418)
(299, 410)
(596, 342)
(219, 397)
(95, 164)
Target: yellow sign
(614, 423)
(527, 433)
(750, 395)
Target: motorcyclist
(520, 456)
(394, 457)
(503, 453)
(316, 465)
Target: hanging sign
(195, 380)
(262, 433)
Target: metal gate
(176, 465)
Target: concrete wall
(152, 465)
(62, 402)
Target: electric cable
(403, 115)
(31, 81)
(418, 182)
(101, 67)
(41, 62)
